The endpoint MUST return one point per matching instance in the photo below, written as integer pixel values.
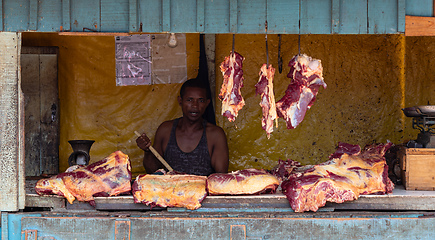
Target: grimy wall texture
(370, 79)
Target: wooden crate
(418, 168)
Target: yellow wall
(368, 84)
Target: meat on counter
(344, 177)
(170, 190)
(110, 176)
(247, 181)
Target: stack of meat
(170, 190)
(230, 94)
(110, 176)
(264, 87)
(306, 75)
(348, 174)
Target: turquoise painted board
(211, 16)
(422, 8)
(316, 17)
(16, 15)
(352, 17)
(49, 21)
(85, 15)
(150, 15)
(115, 16)
(217, 16)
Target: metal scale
(423, 119)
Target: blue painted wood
(233, 16)
(33, 14)
(48, 15)
(200, 21)
(353, 17)
(1, 17)
(316, 17)
(151, 17)
(166, 15)
(211, 16)
(66, 16)
(380, 17)
(283, 16)
(422, 8)
(85, 16)
(132, 16)
(16, 15)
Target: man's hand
(143, 142)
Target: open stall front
(356, 107)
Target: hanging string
(267, 50)
(299, 35)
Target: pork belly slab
(247, 181)
(342, 178)
(186, 191)
(110, 176)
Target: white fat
(313, 65)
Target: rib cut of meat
(230, 94)
(306, 74)
(247, 181)
(186, 191)
(340, 179)
(110, 176)
(264, 88)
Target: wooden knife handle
(158, 156)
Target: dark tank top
(197, 162)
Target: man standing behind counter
(189, 144)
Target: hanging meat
(169, 190)
(247, 181)
(264, 88)
(230, 94)
(306, 74)
(342, 178)
(110, 176)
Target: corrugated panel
(211, 16)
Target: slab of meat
(340, 179)
(186, 191)
(230, 94)
(306, 75)
(248, 181)
(283, 169)
(264, 88)
(110, 176)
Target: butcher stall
(326, 105)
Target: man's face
(193, 103)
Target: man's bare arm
(150, 162)
(219, 155)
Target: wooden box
(418, 168)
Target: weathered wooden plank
(180, 21)
(283, 16)
(16, 15)
(11, 124)
(31, 89)
(151, 15)
(49, 134)
(353, 17)
(233, 16)
(346, 226)
(200, 18)
(66, 16)
(251, 16)
(401, 11)
(33, 14)
(166, 15)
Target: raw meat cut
(283, 169)
(110, 176)
(306, 74)
(343, 148)
(230, 94)
(247, 181)
(186, 191)
(264, 87)
(340, 179)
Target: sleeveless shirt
(196, 162)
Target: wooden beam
(419, 26)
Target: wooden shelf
(419, 26)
